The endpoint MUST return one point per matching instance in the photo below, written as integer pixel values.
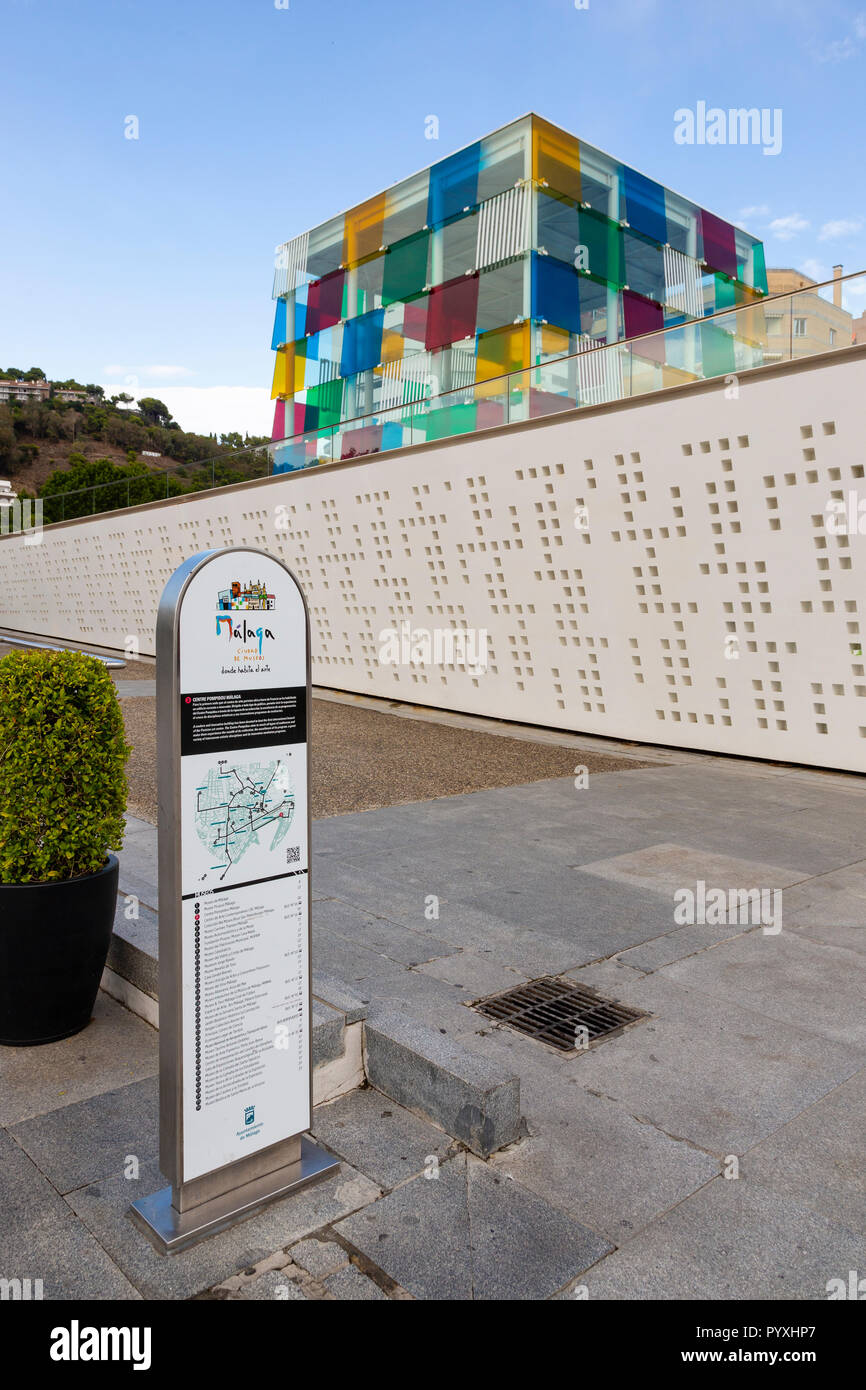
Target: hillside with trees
(54, 448)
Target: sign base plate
(170, 1230)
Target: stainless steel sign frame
(230, 931)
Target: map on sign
(240, 805)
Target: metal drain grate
(553, 1010)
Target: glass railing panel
(773, 329)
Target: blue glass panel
(362, 343)
(555, 293)
(645, 205)
(279, 334)
(392, 434)
(453, 185)
(300, 312)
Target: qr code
(293, 854)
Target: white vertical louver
(290, 264)
(503, 226)
(683, 283)
(599, 373)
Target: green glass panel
(717, 350)
(451, 419)
(327, 398)
(405, 273)
(603, 241)
(760, 271)
(726, 293)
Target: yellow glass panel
(503, 350)
(365, 229)
(392, 347)
(281, 376)
(556, 158)
(299, 364)
(554, 341)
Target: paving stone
(275, 1286)
(731, 1240)
(377, 934)
(378, 1137)
(471, 1234)
(776, 976)
(93, 1138)
(350, 1283)
(115, 1048)
(103, 1208)
(678, 945)
(710, 1071)
(663, 868)
(472, 1099)
(588, 1156)
(476, 975)
(42, 1239)
(817, 1158)
(319, 1257)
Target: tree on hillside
(154, 412)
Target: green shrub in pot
(62, 797)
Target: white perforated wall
(704, 521)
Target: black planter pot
(54, 941)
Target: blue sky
(149, 261)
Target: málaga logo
(253, 597)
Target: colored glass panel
(280, 385)
(365, 229)
(504, 159)
(325, 400)
(280, 333)
(279, 428)
(717, 350)
(405, 269)
(558, 228)
(726, 293)
(556, 159)
(453, 185)
(452, 419)
(504, 350)
(367, 280)
(645, 205)
(644, 267)
(555, 293)
(406, 208)
(299, 310)
(452, 312)
(502, 296)
(367, 439)
(457, 248)
(604, 252)
(641, 317)
(415, 324)
(325, 302)
(759, 272)
(362, 343)
(720, 251)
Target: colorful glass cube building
(522, 251)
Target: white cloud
(760, 211)
(816, 270)
(163, 372)
(786, 228)
(843, 226)
(213, 409)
